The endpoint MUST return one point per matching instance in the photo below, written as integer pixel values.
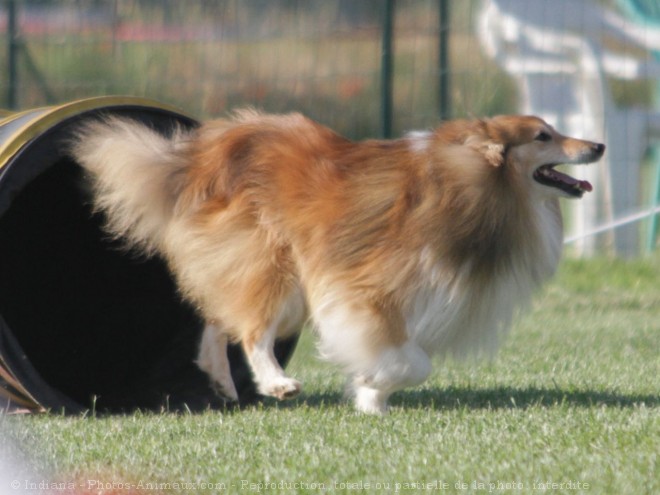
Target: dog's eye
(543, 136)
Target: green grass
(572, 398)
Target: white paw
(281, 388)
(370, 400)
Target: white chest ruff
(460, 319)
(451, 314)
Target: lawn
(569, 405)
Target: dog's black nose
(599, 148)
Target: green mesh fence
(321, 57)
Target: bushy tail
(135, 171)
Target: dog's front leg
(392, 369)
(368, 339)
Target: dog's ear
(493, 153)
(476, 135)
(486, 145)
(491, 143)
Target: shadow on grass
(494, 398)
(519, 398)
(440, 399)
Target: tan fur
(397, 249)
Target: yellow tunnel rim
(47, 117)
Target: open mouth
(548, 176)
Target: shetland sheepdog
(395, 250)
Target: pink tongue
(583, 185)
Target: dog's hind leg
(213, 360)
(244, 279)
(269, 376)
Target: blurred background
(375, 68)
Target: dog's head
(533, 149)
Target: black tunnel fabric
(83, 322)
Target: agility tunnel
(84, 324)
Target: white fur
(268, 374)
(213, 360)
(345, 325)
(449, 316)
(394, 369)
(342, 324)
(419, 140)
(136, 173)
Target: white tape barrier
(635, 217)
